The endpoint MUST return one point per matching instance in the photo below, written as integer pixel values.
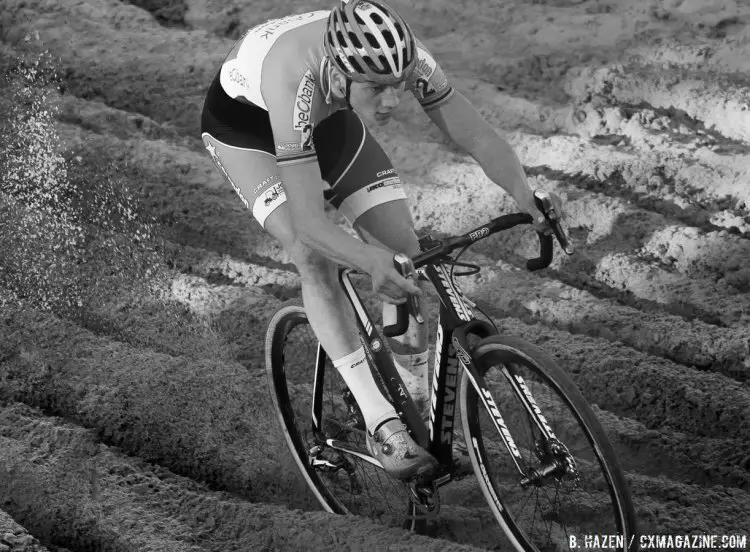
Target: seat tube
(317, 405)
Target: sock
(355, 369)
(413, 370)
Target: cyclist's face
(375, 102)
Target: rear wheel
(562, 484)
(343, 483)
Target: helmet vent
(389, 39)
(355, 39)
(370, 42)
(355, 64)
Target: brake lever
(544, 204)
(405, 266)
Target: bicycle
(479, 377)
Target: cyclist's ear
(338, 83)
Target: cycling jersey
(281, 67)
(271, 96)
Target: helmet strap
(348, 92)
(326, 69)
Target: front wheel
(543, 461)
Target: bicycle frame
(547, 460)
(455, 323)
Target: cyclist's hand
(389, 285)
(540, 223)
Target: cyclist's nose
(389, 99)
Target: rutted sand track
(145, 424)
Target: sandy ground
(134, 412)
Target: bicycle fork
(555, 457)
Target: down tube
(453, 312)
(443, 393)
(388, 380)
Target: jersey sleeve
(291, 103)
(428, 82)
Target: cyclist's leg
(244, 153)
(341, 142)
(390, 225)
(368, 192)
(242, 147)
(254, 175)
(248, 162)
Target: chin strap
(326, 68)
(348, 91)
(325, 78)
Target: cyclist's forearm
(501, 165)
(335, 244)
(466, 126)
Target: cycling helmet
(369, 42)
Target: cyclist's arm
(312, 225)
(464, 125)
(314, 229)
(297, 162)
(291, 104)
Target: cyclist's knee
(312, 265)
(389, 225)
(279, 225)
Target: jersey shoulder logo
(425, 65)
(429, 79)
(303, 106)
(423, 71)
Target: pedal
(427, 478)
(327, 461)
(336, 466)
(425, 497)
(440, 481)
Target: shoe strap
(381, 424)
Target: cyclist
(283, 122)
